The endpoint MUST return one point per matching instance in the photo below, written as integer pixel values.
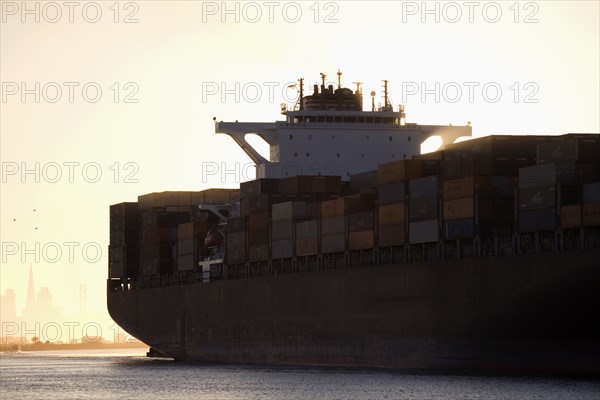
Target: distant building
(8, 311)
(40, 309)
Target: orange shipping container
(391, 214)
(361, 240)
(591, 214)
(570, 216)
(398, 171)
(466, 187)
(307, 246)
(458, 209)
(341, 205)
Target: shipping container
(459, 229)
(537, 220)
(423, 231)
(124, 238)
(472, 185)
(333, 243)
(423, 209)
(124, 254)
(192, 230)
(127, 209)
(396, 171)
(186, 246)
(168, 234)
(282, 230)
(495, 208)
(591, 193)
(365, 180)
(344, 205)
(391, 214)
(165, 199)
(186, 263)
(159, 250)
(329, 185)
(258, 187)
(333, 226)
(258, 220)
(569, 148)
(259, 203)
(431, 167)
(299, 184)
(392, 192)
(307, 246)
(503, 227)
(289, 210)
(282, 249)
(570, 216)
(535, 198)
(258, 252)
(150, 267)
(557, 151)
(362, 240)
(391, 235)
(459, 208)
(236, 224)
(495, 147)
(590, 172)
(426, 187)
(124, 223)
(235, 250)
(361, 221)
(215, 196)
(484, 167)
(307, 229)
(161, 219)
(258, 236)
(543, 175)
(591, 214)
(124, 261)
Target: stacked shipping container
(283, 227)
(391, 211)
(423, 210)
(305, 216)
(124, 250)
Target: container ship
(351, 248)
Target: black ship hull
(536, 312)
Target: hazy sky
(124, 109)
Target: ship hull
(537, 312)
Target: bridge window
(409, 138)
(307, 154)
(338, 155)
(291, 137)
(390, 138)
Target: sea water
(128, 374)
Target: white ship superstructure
(328, 133)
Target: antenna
(323, 76)
(386, 102)
(301, 80)
(339, 74)
(373, 101)
(358, 89)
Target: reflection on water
(128, 374)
